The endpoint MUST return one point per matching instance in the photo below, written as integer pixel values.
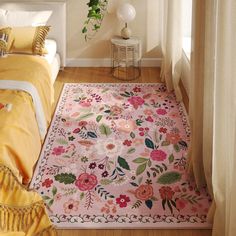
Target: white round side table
(126, 58)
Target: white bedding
(52, 57)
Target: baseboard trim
(106, 62)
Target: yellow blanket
(22, 211)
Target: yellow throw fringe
(21, 210)
(41, 33)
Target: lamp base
(126, 33)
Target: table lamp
(126, 12)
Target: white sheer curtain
(213, 108)
(224, 144)
(172, 45)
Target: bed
(26, 97)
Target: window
(187, 26)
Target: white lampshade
(126, 12)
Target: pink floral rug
(115, 157)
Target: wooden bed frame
(57, 20)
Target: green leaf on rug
(99, 118)
(171, 158)
(91, 134)
(50, 202)
(81, 196)
(140, 160)
(54, 191)
(169, 177)
(85, 116)
(132, 135)
(149, 203)
(165, 143)
(62, 141)
(65, 178)
(103, 193)
(105, 181)
(139, 122)
(141, 168)
(149, 143)
(131, 150)
(45, 198)
(176, 147)
(104, 129)
(123, 163)
(137, 204)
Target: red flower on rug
(144, 192)
(47, 183)
(136, 101)
(166, 193)
(158, 155)
(58, 151)
(161, 111)
(173, 138)
(122, 200)
(86, 182)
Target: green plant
(96, 12)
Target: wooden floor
(102, 75)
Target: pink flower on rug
(158, 155)
(85, 104)
(144, 192)
(122, 201)
(71, 205)
(148, 112)
(58, 197)
(47, 183)
(181, 203)
(109, 207)
(149, 118)
(86, 182)
(76, 131)
(127, 142)
(173, 138)
(127, 126)
(83, 123)
(166, 193)
(136, 101)
(161, 111)
(115, 110)
(58, 151)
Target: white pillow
(23, 18)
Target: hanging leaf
(132, 135)
(149, 203)
(65, 178)
(140, 160)
(99, 118)
(141, 168)
(91, 134)
(123, 163)
(149, 143)
(104, 129)
(131, 150)
(171, 158)
(169, 177)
